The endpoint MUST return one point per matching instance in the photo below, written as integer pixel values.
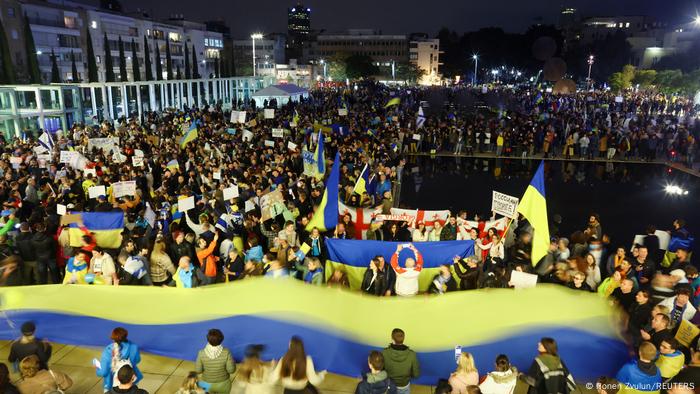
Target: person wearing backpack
(548, 374)
(117, 354)
(377, 380)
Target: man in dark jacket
(400, 362)
(28, 345)
(449, 232)
(468, 272)
(377, 380)
(27, 252)
(180, 248)
(45, 250)
(126, 378)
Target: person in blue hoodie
(377, 380)
(641, 376)
(117, 354)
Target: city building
(382, 48)
(650, 47)
(294, 73)
(424, 53)
(569, 26)
(298, 29)
(269, 51)
(62, 26)
(599, 28)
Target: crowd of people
(223, 240)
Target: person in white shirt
(407, 278)
(421, 233)
(102, 265)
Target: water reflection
(628, 196)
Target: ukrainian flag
(173, 165)
(295, 119)
(191, 135)
(106, 226)
(362, 181)
(533, 206)
(319, 159)
(394, 101)
(326, 215)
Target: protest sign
(504, 204)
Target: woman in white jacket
(435, 233)
(255, 375)
(296, 372)
(502, 380)
(420, 234)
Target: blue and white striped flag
(420, 120)
(46, 141)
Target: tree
(336, 68)
(409, 72)
(7, 71)
(644, 78)
(188, 75)
(135, 69)
(360, 66)
(178, 75)
(159, 65)
(30, 49)
(622, 80)
(55, 72)
(91, 63)
(123, 76)
(168, 60)
(195, 68)
(109, 68)
(147, 60)
(669, 81)
(74, 68)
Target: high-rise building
(298, 29)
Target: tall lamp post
(255, 36)
(476, 62)
(591, 60)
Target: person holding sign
(407, 278)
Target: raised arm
(395, 261)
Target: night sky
(406, 16)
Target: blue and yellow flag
(533, 206)
(295, 119)
(107, 228)
(173, 165)
(319, 159)
(362, 181)
(326, 215)
(191, 135)
(394, 101)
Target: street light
(325, 74)
(255, 36)
(697, 20)
(475, 57)
(393, 70)
(591, 60)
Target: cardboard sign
(70, 219)
(97, 191)
(16, 161)
(291, 145)
(61, 209)
(39, 149)
(90, 171)
(618, 99)
(267, 203)
(270, 143)
(416, 137)
(687, 331)
(249, 206)
(277, 133)
(137, 161)
(342, 112)
(238, 116)
(217, 175)
(121, 189)
(230, 192)
(67, 156)
(108, 144)
(269, 113)
(504, 205)
(185, 204)
(522, 280)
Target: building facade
(298, 29)
(382, 48)
(424, 53)
(269, 51)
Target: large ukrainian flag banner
(353, 256)
(533, 206)
(339, 328)
(106, 226)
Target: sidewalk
(161, 374)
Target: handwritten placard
(231, 192)
(67, 156)
(185, 204)
(126, 188)
(277, 133)
(270, 143)
(97, 191)
(269, 113)
(291, 145)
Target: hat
(101, 197)
(678, 273)
(28, 328)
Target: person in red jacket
(407, 278)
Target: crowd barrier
(339, 327)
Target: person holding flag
(533, 206)
(326, 216)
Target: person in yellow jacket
(670, 360)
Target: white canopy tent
(282, 93)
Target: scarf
(213, 352)
(677, 313)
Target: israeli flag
(46, 141)
(420, 120)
